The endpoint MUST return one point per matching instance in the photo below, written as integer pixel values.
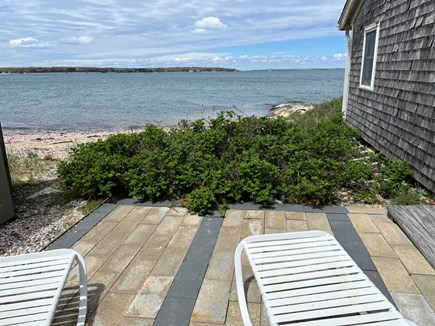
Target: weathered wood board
(418, 222)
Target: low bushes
(306, 158)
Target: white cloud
(210, 59)
(84, 39)
(340, 56)
(134, 31)
(27, 42)
(207, 24)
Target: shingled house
(389, 91)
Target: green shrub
(390, 180)
(407, 195)
(305, 158)
(365, 196)
(201, 201)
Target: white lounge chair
(31, 285)
(307, 278)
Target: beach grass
(30, 168)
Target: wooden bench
(31, 285)
(307, 278)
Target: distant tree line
(21, 70)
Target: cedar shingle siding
(398, 117)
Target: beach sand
(51, 145)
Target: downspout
(347, 73)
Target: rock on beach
(286, 109)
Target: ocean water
(119, 101)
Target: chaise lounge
(307, 278)
(31, 285)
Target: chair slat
(290, 307)
(34, 265)
(28, 296)
(312, 283)
(309, 275)
(28, 311)
(292, 293)
(283, 252)
(47, 280)
(24, 305)
(39, 257)
(300, 263)
(29, 289)
(300, 257)
(261, 243)
(326, 313)
(41, 318)
(291, 246)
(367, 319)
(307, 269)
(32, 271)
(318, 297)
(40, 276)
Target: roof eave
(348, 14)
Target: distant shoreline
(30, 70)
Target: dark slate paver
(376, 278)
(245, 206)
(201, 247)
(91, 220)
(325, 209)
(337, 217)
(180, 301)
(289, 208)
(209, 227)
(133, 201)
(292, 208)
(188, 280)
(68, 239)
(105, 208)
(346, 234)
(348, 237)
(175, 312)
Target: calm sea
(117, 101)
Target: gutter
(347, 74)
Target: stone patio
(151, 265)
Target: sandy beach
(54, 146)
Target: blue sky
(241, 34)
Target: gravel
(43, 212)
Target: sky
(240, 34)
